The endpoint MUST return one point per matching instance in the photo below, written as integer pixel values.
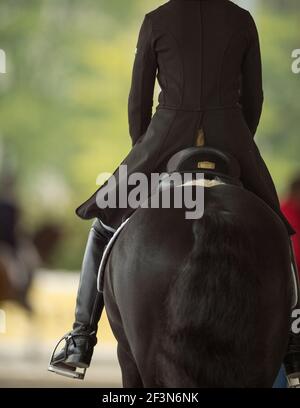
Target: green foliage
(278, 135)
(63, 101)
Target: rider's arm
(251, 88)
(140, 100)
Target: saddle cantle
(210, 161)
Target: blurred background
(63, 120)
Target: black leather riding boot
(292, 357)
(80, 342)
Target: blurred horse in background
(21, 254)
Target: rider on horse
(211, 90)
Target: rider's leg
(292, 357)
(80, 342)
(257, 179)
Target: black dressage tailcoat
(206, 57)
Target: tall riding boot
(79, 343)
(292, 357)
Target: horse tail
(210, 308)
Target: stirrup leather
(293, 377)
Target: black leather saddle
(213, 163)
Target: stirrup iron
(64, 369)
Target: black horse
(205, 302)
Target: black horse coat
(206, 57)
